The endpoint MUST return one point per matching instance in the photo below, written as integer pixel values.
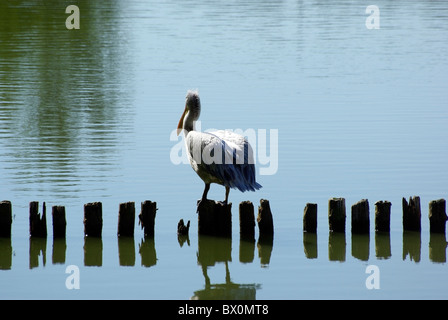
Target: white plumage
(221, 157)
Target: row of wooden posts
(93, 219)
(215, 218)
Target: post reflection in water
(147, 251)
(93, 252)
(265, 245)
(5, 254)
(437, 247)
(412, 245)
(38, 246)
(336, 246)
(361, 246)
(310, 245)
(382, 245)
(126, 251)
(59, 249)
(213, 250)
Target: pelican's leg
(227, 194)
(204, 195)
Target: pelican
(221, 157)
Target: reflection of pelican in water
(210, 251)
(225, 291)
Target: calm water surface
(88, 115)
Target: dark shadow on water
(212, 251)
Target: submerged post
(437, 216)
(38, 223)
(5, 219)
(336, 214)
(382, 216)
(126, 219)
(93, 219)
(247, 220)
(412, 214)
(147, 217)
(310, 218)
(59, 222)
(214, 218)
(182, 229)
(360, 217)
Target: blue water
(88, 115)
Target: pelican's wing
(226, 158)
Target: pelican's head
(191, 112)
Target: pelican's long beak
(180, 126)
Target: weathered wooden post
(412, 214)
(59, 221)
(182, 228)
(310, 218)
(360, 217)
(437, 216)
(147, 217)
(247, 220)
(38, 224)
(264, 219)
(93, 219)
(5, 219)
(214, 218)
(336, 214)
(382, 216)
(126, 219)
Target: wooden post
(214, 218)
(310, 218)
(382, 216)
(183, 229)
(412, 214)
(264, 219)
(247, 220)
(59, 222)
(147, 217)
(336, 214)
(437, 216)
(93, 219)
(126, 219)
(360, 217)
(5, 219)
(38, 224)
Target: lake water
(337, 109)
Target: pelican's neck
(189, 123)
